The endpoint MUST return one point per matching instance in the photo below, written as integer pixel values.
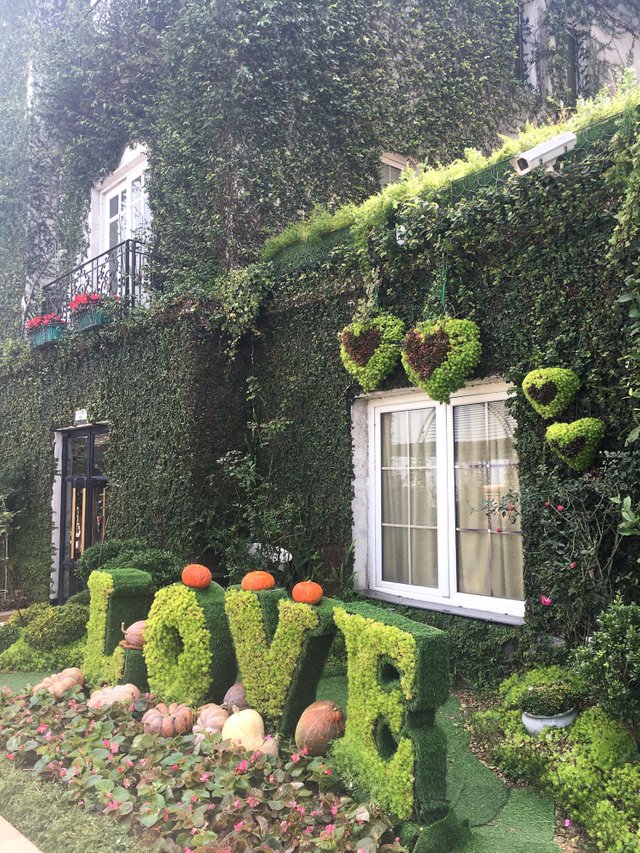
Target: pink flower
(498, 530)
(42, 728)
(194, 799)
(10, 756)
(567, 823)
(174, 767)
(188, 850)
(304, 750)
(253, 802)
(330, 828)
(328, 772)
(560, 508)
(204, 777)
(295, 758)
(572, 565)
(237, 804)
(238, 826)
(547, 503)
(283, 825)
(114, 748)
(242, 767)
(106, 743)
(334, 809)
(547, 602)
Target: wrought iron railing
(123, 272)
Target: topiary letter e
(392, 752)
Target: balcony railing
(123, 272)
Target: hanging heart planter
(550, 389)
(576, 443)
(439, 355)
(370, 349)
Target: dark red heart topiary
(361, 347)
(425, 354)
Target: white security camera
(545, 154)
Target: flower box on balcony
(89, 318)
(44, 330)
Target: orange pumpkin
(196, 576)
(258, 580)
(307, 592)
(319, 725)
(167, 720)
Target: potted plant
(89, 310)
(549, 706)
(44, 329)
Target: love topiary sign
(198, 641)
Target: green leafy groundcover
(200, 798)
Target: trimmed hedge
(57, 627)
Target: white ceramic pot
(534, 725)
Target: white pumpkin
(245, 728)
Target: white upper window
(120, 204)
(443, 525)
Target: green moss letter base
(392, 752)
(281, 648)
(188, 648)
(118, 596)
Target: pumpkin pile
(59, 682)
(167, 720)
(105, 697)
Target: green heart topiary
(438, 355)
(576, 443)
(370, 348)
(550, 389)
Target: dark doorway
(84, 500)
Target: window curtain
(409, 516)
(488, 562)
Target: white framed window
(120, 204)
(437, 477)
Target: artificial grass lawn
(502, 820)
(18, 681)
(43, 812)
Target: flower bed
(44, 329)
(166, 790)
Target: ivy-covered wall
(173, 404)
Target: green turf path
(502, 820)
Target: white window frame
(445, 596)
(133, 163)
